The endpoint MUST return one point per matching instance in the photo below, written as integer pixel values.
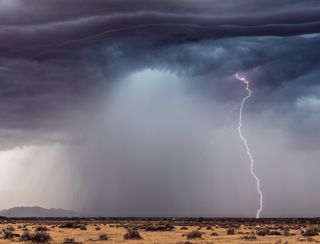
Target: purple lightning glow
(246, 82)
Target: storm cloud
(124, 101)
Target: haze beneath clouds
(115, 108)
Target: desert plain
(158, 230)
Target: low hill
(20, 212)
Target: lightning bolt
(247, 84)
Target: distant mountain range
(20, 212)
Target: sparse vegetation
(249, 238)
(103, 237)
(194, 235)
(37, 237)
(26, 236)
(71, 225)
(7, 233)
(307, 239)
(212, 231)
(262, 231)
(231, 231)
(70, 241)
(83, 227)
(41, 228)
(159, 227)
(132, 234)
(312, 231)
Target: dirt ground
(167, 231)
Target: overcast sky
(120, 108)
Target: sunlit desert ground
(159, 231)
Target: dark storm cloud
(271, 62)
(66, 31)
(55, 53)
(55, 25)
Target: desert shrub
(37, 237)
(159, 227)
(103, 237)
(194, 235)
(154, 228)
(66, 225)
(262, 231)
(69, 241)
(70, 225)
(132, 234)
(184, 228)
(231, 231)
(310, 232)
(7, 233)
(307, 239)
(214, 234)
(26, 236)
(41, 237)
(169, 226)
(41, 228)
(83, 227)
(98, 228)
(249, 238)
